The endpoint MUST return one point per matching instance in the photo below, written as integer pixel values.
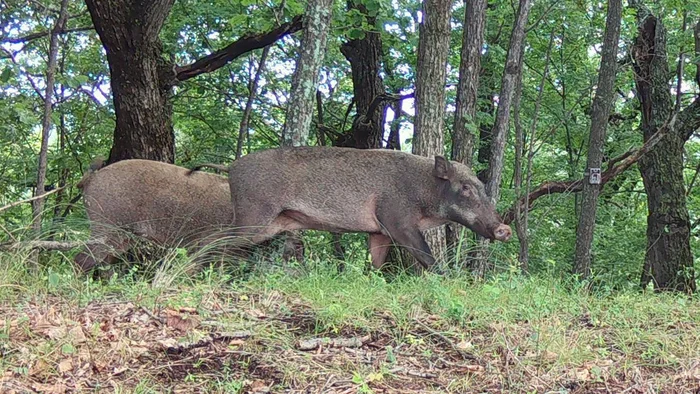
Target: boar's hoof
(502, 232)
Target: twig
(424, 375)
(158, 319)
(445, 339)
(50, 245)
(14, 204)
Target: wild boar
(391, 195)
(155, 200)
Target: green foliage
(207, 110)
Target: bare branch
(14, 204)
(243, 45)
(41, 34)
(553, 187)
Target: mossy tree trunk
(668, 262)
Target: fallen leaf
(119, 370)
(550, 356)
(58, 388)
(55, 332)
(474, 368)
(77, 334)
(582, 374)
(236, 342)
(181, 322)
(259, 386)
(39, 368)
(465, 345)
(65, 365)
(187, 309)
(257, 313)
(168, 343)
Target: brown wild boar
(391, 195)
(155, 200)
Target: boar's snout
(502, 233)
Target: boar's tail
(97, 163)
(219, 167)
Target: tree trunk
(38, 204)
(253, 89)
(602, 105)
(433, 47)
(300, 108)
(668, 261)
(138, 76)
(365, 56)
(467, 93)
(499, 134)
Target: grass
(164, 331)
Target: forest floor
(316, 331)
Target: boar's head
(463, 200)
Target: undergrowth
(509, 333)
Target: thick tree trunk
(669, 261)
(365, 57)
(602, 105)
(253, 91)
(511, 73)
(139, 80)
(468, 86)
(300, 109)
(433, 47)
(467, 93)
(38, 204)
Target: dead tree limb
(245, 44)
(624, 161)
(14, 204)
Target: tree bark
(365, 55)
(38, 204)
(433, 47)
(510, 75)
(467, 93)
(144, 127)
(668, 261)
(253, 91)
(141, 79)
(499, 134)
(300, 108)
(602, 105)
(468, 85)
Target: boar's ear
(443, 168)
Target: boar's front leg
(379, 245)
(409, 236)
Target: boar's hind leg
(258, 227)
(101, 253)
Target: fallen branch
(314, 343)
(622, 163)
(14, 204)
(49, 245)
(180, 348)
